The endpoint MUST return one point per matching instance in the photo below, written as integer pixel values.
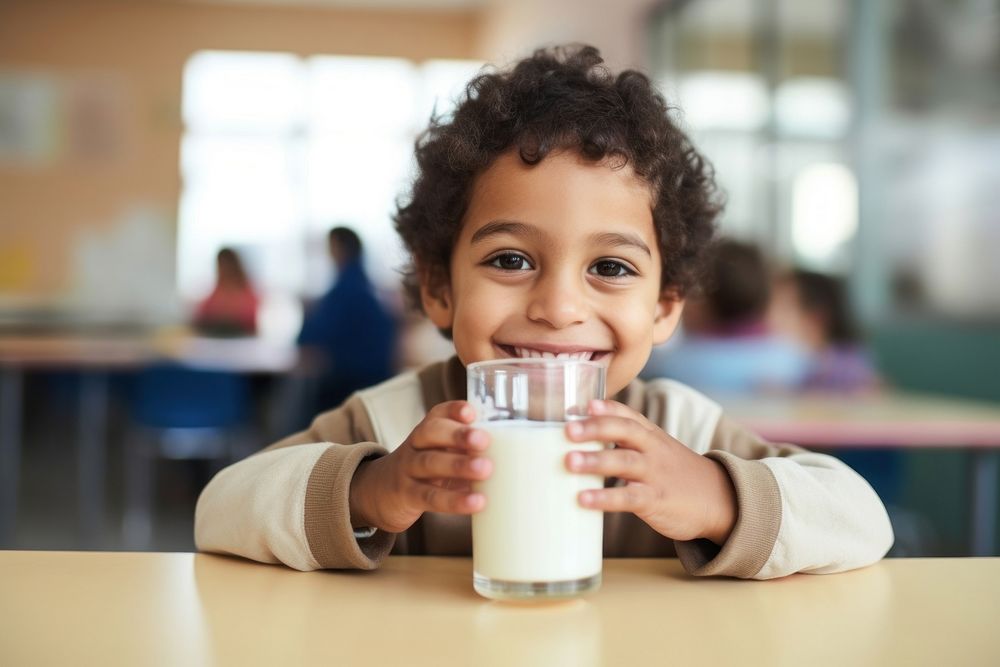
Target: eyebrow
(514, 228)
(498, 227)
(619, 240)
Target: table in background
(186, 609)
(95, 358)
(891, 420)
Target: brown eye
(608, 268)
(510, 261)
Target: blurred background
(857, 141)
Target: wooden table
(60, 608)
(891, 420)
(96, 358)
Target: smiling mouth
(521, 352)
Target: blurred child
(813, 309)
(727, 346)
(558, 212)
(231, 308)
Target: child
(558, 212)
(231, 308)
(813, 308)
(727, 346)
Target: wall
(513, 28)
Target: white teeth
(528, 353)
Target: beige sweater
(798, 511)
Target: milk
(533, 528)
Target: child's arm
(800, 512)
(300, 501)
(780, 509)
(289, 502)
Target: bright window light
(236, 91)
(357, 95)
(355, 178)
(444, 84)
(813, 107)
(723, 100)
(824, 212)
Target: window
(762, 92)
(277, 149)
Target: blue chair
(178, 413)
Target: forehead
(564, 195)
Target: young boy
(558, 212)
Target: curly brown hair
(559, 98)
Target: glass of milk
(533, 540)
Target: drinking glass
(533, 540)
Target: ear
(668, 316)
(437, 303)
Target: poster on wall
(46, 119)
(29, 119)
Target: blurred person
(813, 309)
(350, 328)
(231, 308)
(727, 346)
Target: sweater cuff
(753, 537)
(328, 527)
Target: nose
(558, 300)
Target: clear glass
(534, 540)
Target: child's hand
(431, 471)
(679, 493)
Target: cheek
(634, 322)
(479, 311)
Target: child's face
(559, 258)
(786, 316)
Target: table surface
(891, 419)
(248, 355)
(91, 608)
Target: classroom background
(855, 140)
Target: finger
(435, 464)
(460, 411)
(633, 498)
(462, 485)
(435, 498)
(447, 433)
(624, 463)
(616, 409)
(623, 431)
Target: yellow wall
(141, 46)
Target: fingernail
(477, 465)
(587, 498)
(574, 428)
(596, 407)
(575, 461)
